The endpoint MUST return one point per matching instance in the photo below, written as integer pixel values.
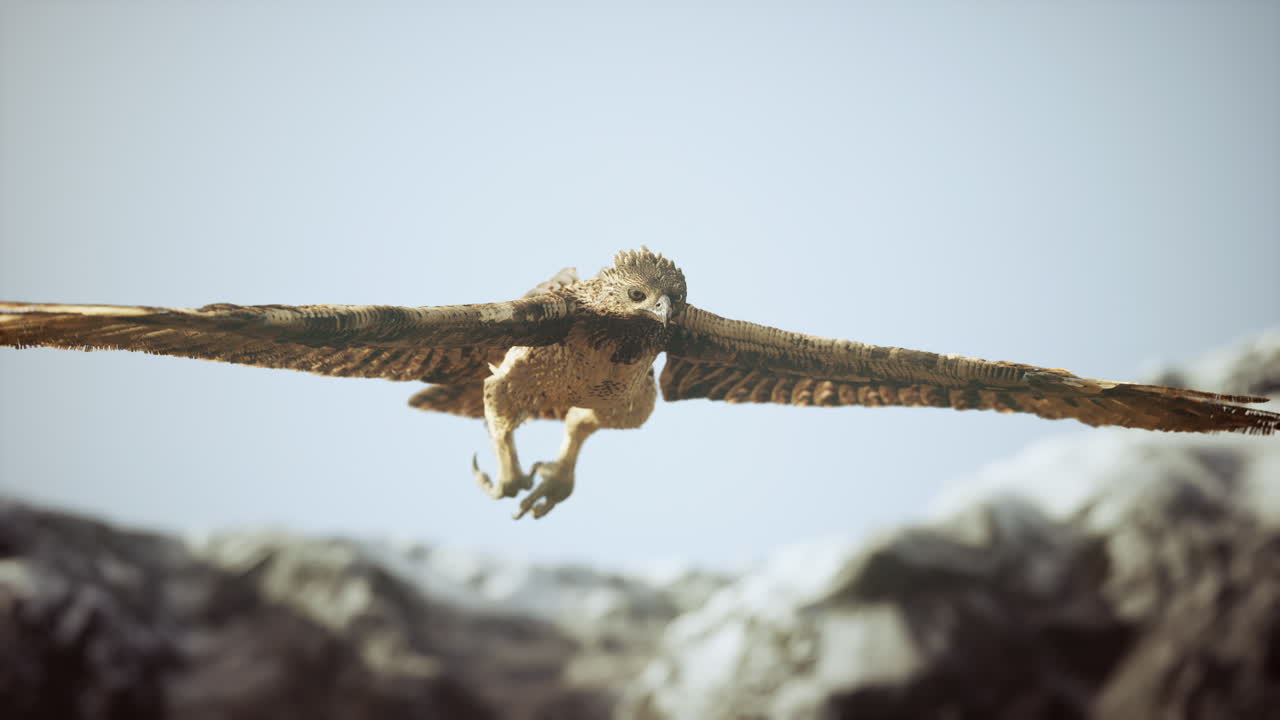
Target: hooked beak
(662, 309)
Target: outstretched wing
(713, 357)
(451, 343)
(467, 398)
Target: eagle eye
(636, 294)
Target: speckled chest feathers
(620, 323)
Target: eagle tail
(467, 400)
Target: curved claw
(505, 487)
(482, 479)
(555, 487)
(530, 503)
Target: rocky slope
(1105, 574)
(1158, 597)
(98, 622)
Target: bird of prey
(583, 352)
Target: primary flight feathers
(712, 357)
(590, 345)
(431, 344)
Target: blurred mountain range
(1104, 574)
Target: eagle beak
(662, 308)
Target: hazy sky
(1083, 185)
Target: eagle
(583, 352)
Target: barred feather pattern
(437, 344)
(735, 361)
(1125, 405)
(465, 396)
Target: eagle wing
(467, 398)
(451, 343)
(712, 357)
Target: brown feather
(435, 344)
(464, 398)
(561, 280)
(712, 357)
(467, 400)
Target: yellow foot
(508, 486)
(556, 485)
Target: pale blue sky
(1082, 185)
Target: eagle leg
(557, 476)
(505, 408)
(579, 423)
(511, 480)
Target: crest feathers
(644, 258)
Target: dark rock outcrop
(101, 623)
(98, 622)
(1157, 598)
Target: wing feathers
(720, 359)
(1140, 406)
(437, 344)
(711, 338)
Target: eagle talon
(556, 485)
(482, 479)
(500, 489)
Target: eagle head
(641, 283)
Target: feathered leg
(504, 411)
(557, 476)
(511, 480)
